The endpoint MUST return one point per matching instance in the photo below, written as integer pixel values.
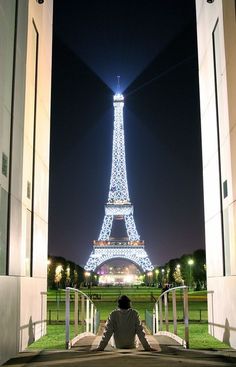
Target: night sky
(152, 45)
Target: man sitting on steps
(124, 324)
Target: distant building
(25, 90)
(216, 31)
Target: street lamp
(58, 274)
(157, 273)
(87, 276)
(141, 277)
(149, 274)
(162, 271)
(68, 276)
(177, 274)
(48, 265)
(49, 273)
(190, 263)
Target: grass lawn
(197, 310)
(55, 338)
(141, 301)
(199, 338)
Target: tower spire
(118, 85)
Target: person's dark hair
(124, 302)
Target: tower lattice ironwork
(118, 207)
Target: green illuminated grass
(199, 337)
(141, 301)
(55, 338)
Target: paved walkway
(83, 355)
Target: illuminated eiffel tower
(118, 207)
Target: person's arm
(141, 334)
(108, 331)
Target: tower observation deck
(118, 207)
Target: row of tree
(64, 273)
(187, 270)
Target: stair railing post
(186, 317)
(82, 312)
(157, 318)
(161, 314)
(91, 317)
(153, 322)
(95, 321)
(67, 318)
(174, 311)
(166, 311)
(76, 329)
(87, 315)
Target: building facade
(216, 31)
(25, 93)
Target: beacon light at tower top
(118, 97)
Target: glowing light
(58, 273)
(119, 279)
(58, 269)
(118, 209)
(134, 254)
(118, 197)
(118, 205)
(190, 263)
(118, 97)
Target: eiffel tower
(118, 207)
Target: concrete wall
(24, 139)
(216, 29)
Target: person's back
(124, 324)
(124, 327)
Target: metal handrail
(158, 319)
(89, 316)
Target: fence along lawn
(143, 298)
